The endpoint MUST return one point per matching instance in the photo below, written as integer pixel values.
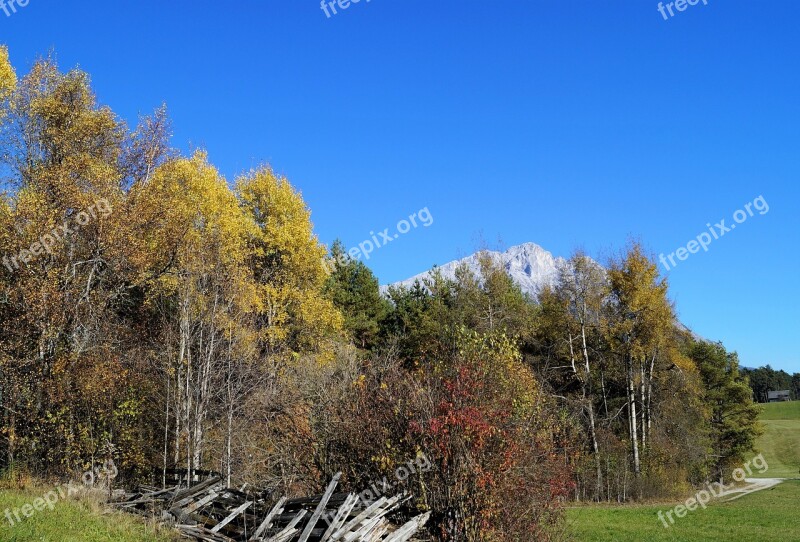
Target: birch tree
(582, 286)
(640, 321)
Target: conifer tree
(734, 416)
(355, 291)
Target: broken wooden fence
(210, 512)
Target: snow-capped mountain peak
(531, 266)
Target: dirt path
(753, 485)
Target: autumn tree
(197, 279)
(64, 155)
(287, 262)
(578, 299)
(640, 318)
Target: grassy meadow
(72, 521)
(780, 442)
(765, 516)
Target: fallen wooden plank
(409, 529)
(378, 509)
(359, 518)
(267, 523)
(231, 517)
(201, 533)
(366, 531)
(320, 508)
(201, 503)
(289, 529)
(341, 517)
(190, 492)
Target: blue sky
(567, 123)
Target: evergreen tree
(355, 292)
(734, 416)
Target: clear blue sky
(567, 123)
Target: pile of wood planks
(209, 512)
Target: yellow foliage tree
(287, 263)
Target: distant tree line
(766, 379)
(196, 326)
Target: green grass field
(71, 521)
(788, 410)
(780, 443)
(765, 516)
